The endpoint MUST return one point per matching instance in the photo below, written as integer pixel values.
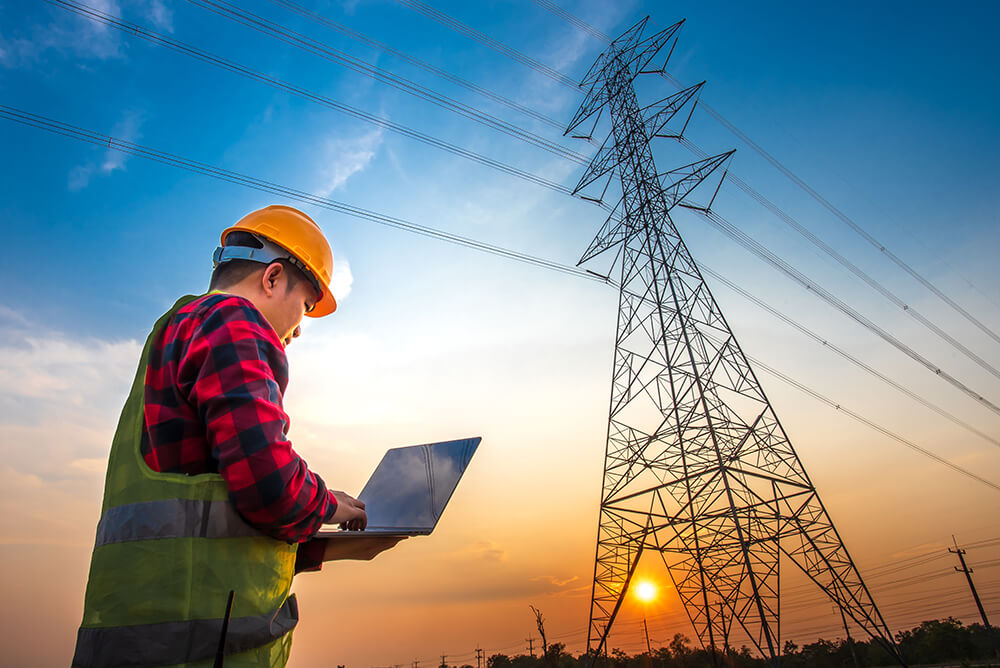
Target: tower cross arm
(626, 56)
(678, 183)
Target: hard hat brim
(325, 306)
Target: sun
(645, 591)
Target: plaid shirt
(214, 388)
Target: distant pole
(444, 662)
(968, 576)
(479, 658)
(649, 650)
(531, 646)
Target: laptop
(410, 488)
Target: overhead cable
(843, 217)
(847, 264)
(788, 173)
(57, 127)
(236, 68)
(573, 20)
(157, 38)
(486, 40)
(132, 148)
(846, 355)
(857, 271)
(244, 17)
(347, 31)
(877, 427)
(781, 265)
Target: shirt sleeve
(234, 372)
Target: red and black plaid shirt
(214, 387)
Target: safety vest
(169, 548)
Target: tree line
(937, 641)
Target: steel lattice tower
(697, 466)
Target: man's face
(286, 307)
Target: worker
(204, 494)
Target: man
(204, 494)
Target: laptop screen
(412, 485)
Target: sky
(887, 110)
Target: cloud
(159, 14)
(570, 50)
(483, 550)
(78, 37)
(126, 129)
(342, 279)
(556, 581)
(9, 316)
(59, 398)
(345, 157)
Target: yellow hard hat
(301, 237)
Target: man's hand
(358, 546)
(350, 513)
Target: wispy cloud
(61, 394)
(80, 37)
(159, 14)
(345, 157)
(126, 129)
(556, 581)
(482, 550)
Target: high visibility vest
(169, 548)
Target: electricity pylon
(697, 465)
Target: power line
(304, 43)
(847, 264)
(882, 430)
(412, 60)
(843, 217)
(488, 41)
(132, 148)
(846, 355)
(768, 256)
(236, 68)
(154, 37)
(763, 253)
(573, 20)
(57, 127)
(829, 206)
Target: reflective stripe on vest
(172, 518)
(173, 643)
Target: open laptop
(409, 489)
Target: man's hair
(232, 272)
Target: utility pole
(649, 650)
(479, 658)
(531, 646)
(444, 661)
(968, 576)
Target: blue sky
(887, 109)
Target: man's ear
(271, 277)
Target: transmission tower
(697, 466)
